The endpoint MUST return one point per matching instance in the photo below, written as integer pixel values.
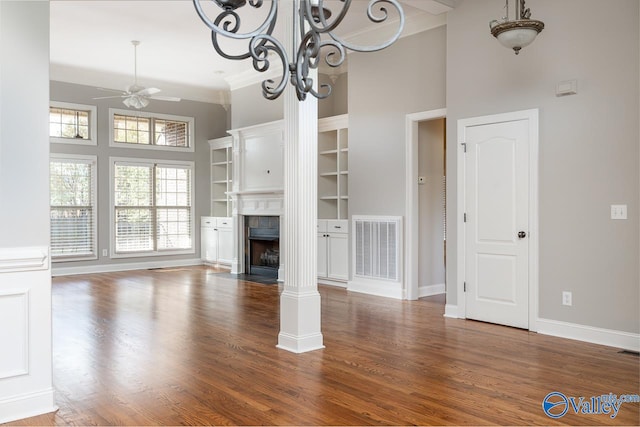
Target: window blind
(152, 207)
(72, 209)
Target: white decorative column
(300, 301)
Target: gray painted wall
(24, 133)
(384, 87)
(337, 103)
(210, 122)
(249, 107)
(589, 145)
(431, 144)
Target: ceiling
(91, 42)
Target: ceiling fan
(137, 96)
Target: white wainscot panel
(14, 334)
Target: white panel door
(497, 222)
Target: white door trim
(411, 198)
(532, 117)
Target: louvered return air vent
(377, 255)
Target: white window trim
(93, 124)
(93, 160)
(112, 219)
(189, 120)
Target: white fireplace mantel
(268, 202)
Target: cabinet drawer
(337, 226)
(224, 222)
(208, 222)
(322, 226)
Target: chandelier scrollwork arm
(326, 26)
(223, 31)
(312, 23)
(376, 19)
(259, 49)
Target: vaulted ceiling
(91, 42)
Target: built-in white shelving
(333, 167)
(221, 176)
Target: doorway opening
(425, 234)
(431, 207)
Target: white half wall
(25, 268)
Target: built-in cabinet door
(209, 244)
(225, 245)
(338, 256)
(322, 255)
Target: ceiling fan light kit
(316, 34)
(137, 96)
(518, 33)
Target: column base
(300, 322)
(300, 344)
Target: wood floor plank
(186, 346)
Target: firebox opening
(262, 246)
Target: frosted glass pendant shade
(517, 34)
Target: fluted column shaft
(300, 301)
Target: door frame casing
(411, 247)
(532, 116)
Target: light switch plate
(618, 211)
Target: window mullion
(155, 208)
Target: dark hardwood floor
(188, 346)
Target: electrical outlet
(566, 298)
(105, 252)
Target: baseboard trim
(27, 405)
(430, 290)
(377, 288)
(300, 344)
(451, 311)
(608, 337)
(334, 283)
(110, 268)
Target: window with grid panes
(72, 123)
(73, 210)
(152, 207)
(149, 130)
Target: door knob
(522, 234)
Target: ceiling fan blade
(148, 91)
(165, 98)
(109, 97)
(111, 90)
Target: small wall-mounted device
(568, 87)
(618, 211)
(421, 180)
(566, 298)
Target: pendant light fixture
(316, 33)
(519, 32)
